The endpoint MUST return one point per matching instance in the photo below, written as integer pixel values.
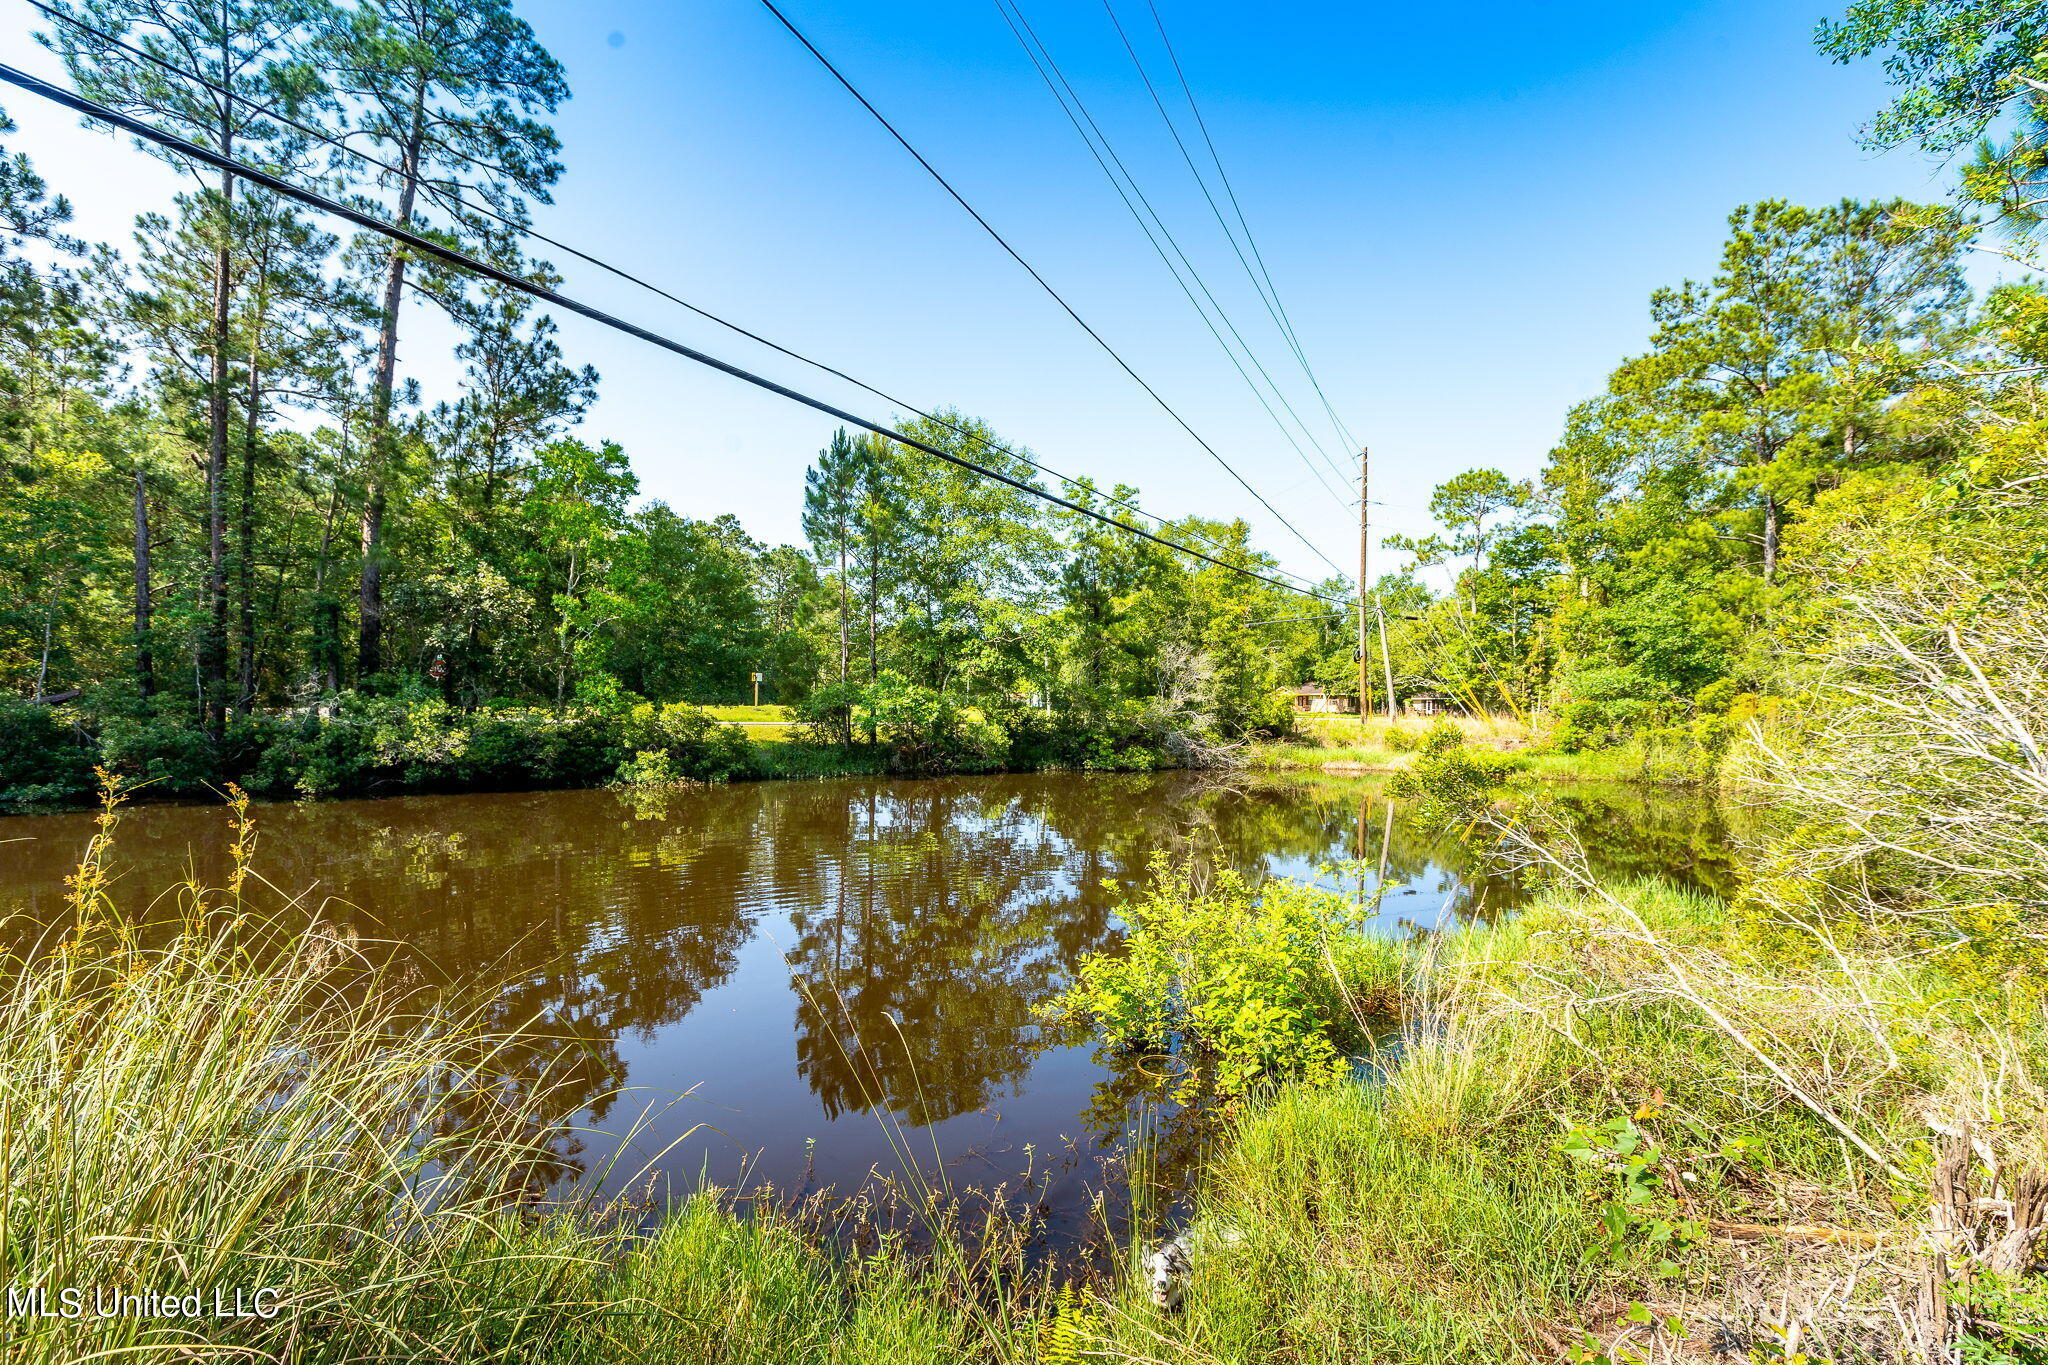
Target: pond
(805, 984)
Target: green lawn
(764, 712)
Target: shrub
(381, 743)
(1254, 981)
(922, 729)
(168, 752)
(927, 731)
(1449, 778)
(826, 715)
(690, 743)
(41, 758)
(1606, 704)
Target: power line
(451, 197)
(1271, 291)
(463, 261)
(1202, 184)
(1056, 82)
(1042, 282)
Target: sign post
(757, 689)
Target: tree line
(229, 497)
(1649, 580)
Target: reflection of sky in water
(800, 959)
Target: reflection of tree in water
(944, 914)
(584, 925)
(948, 915)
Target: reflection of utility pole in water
(1364, 804)
(1386, 842)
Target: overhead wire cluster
(1216, 318)
(1039, 278)
(1269, 293)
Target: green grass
(1437, 1216)
(1343, 742)
(793, 758)
(1366, 1240)
(1285, 757)
(766, 711)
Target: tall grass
(248, 1105)
(224, 1097)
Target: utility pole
(1364, 527)
(1365, 659)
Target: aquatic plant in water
(1278, 979)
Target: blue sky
(1465, 210)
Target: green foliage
(1247, 981)
(1605, 705)
(1639, 1218)
(1957, 62)
(391, 744)
(2006, 1319)
(1076, 1325)
(928, 731)
(1449, 779)
(689, 743)
(826, 714)
(41, 758)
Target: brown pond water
(827, 973)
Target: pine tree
(444, 92)
(252, 52)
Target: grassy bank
(1346, 744)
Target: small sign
(757, 677)
(437, 670)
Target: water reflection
(807, 959)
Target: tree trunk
(245, 543)
(145, 662)
(326, 606)
(1773, 513)
(844, 604)
(874, 593)
(213, 641)
(370, 627)
(49, 636)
